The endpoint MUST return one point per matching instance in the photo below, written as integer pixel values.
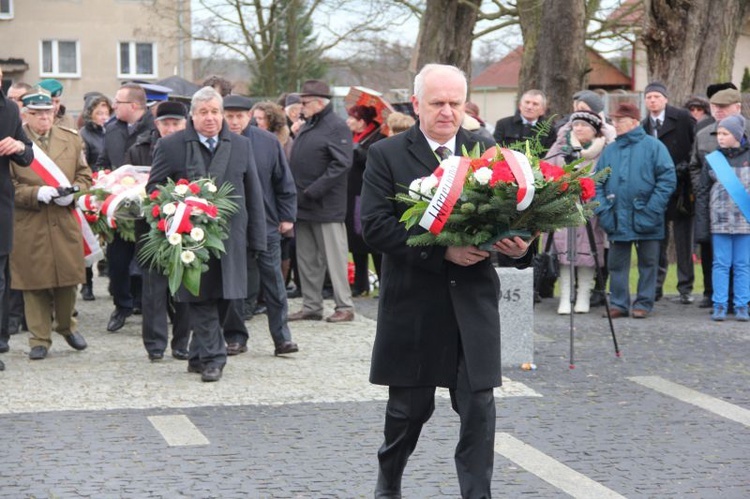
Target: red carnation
(91, 217)
(162, 225)
(194, 188)
(588, 188)
(550, 171)
(501, 173)
(183, 181)
(154, 195)
(155, 211)
(478, 163)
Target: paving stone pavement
(309, 425)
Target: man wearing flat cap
(47, 260)
(675, 128)
(724, 103)
(55, 89)
(632, 200)
(280, 201)
(170, 117)
(321, 158)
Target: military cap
(237, 102)
(155, 93)
(52, 86)
(37, 99)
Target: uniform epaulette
(68, 129)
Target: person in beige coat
(47, 260)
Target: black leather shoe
(2, 366)
(76, 341)
(3, 346)
(195, 368)
(236, 348)
(686, 299)
(286, 347)
(154, 356)
(180, 354)
(117, 319)
(706, 302)
(38, 353)
(211, 374)
(260, 310)
(87, 293)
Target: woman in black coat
(365, 132)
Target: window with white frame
(6, 9)
(60, 58)
(136, 59)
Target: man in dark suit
(438, 322)
(526, 122)
(206, 148)
(16, 147)
(675, 128)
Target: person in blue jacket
(632, 201)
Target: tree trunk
(562, 53)
(716, 56)
(530, 19)
(673, 33)
(445, 33)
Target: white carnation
(211, 187)
(428, 185)
(187, 257)
(169, 209)
(175, 239)
(181, 189)
(483, 175)
(414, 188)
(197, 234)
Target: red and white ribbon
(52, 175)
(447, 193)
(521, 169)
(201, 204)
(175, 222)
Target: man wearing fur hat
(47, 259)
(675, 128)
(632, 201)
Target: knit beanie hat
(656, 87)
(591, 119)
(592, 99)
(734, 125)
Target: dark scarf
(196, 165)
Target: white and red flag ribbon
(447, 193)
(52, 175)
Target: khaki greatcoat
(48, 246)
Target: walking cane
(572, 284)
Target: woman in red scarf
(365, 132)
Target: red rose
(91, 217)
(155, 211)
(550, 171)
(588, 188)
(501, 173)
(183, 181)
(162, 225)
(194, 188)
(154, 195)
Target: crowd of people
(314, 187)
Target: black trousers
(409, 408)
(207, 347)
(119, 255)
(154, 329)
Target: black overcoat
(10, 126)
(428, 306)
(247, 228)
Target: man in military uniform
(55, 90)
(46, 262)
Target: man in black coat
(320, 162)
(675, 128)
(16, 147)
(438, 321)
(132, 119)
(526, 122)
(171, 117)
(206, 148)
